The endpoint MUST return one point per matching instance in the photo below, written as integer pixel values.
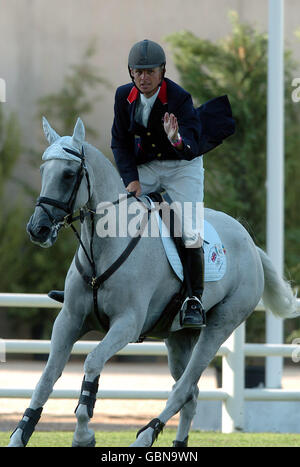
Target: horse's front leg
(124, 329)
(66, 331)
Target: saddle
(215, 267)
(164, 323)
(170, 318)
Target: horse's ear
(78, 134)
(50, 134)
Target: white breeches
(184, 182)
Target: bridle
(67, 207)
(92, 280)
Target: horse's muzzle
(41, 231)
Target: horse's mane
(90, 148)
(106, 164)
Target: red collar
(162, 95)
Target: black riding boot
(58, 295)
(193, 312)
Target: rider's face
(147, 80)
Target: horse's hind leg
(66, 331)
(221, 322)
(180, 346)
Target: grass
(196, 439)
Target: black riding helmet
(146, 54)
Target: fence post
(233, 370)
(2, 351)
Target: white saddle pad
(214, 252)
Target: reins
(92, 280)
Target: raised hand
(171, 126)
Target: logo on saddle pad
(214, 254)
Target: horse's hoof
(86, 444)
(180, 444)
(16, 439)
(144, 439)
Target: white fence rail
(233, 353)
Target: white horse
(131, 299)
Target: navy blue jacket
(133, 144)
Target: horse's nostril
(39, 234)
(43, 232)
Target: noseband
(67, 207)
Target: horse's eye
(68, 174)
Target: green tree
(10, 150)
(75, 97)
(236, 171)
(25, 267)
(10, 146)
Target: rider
(158, 141)
(155, 141)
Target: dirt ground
(109, 414)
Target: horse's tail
(278, 295)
